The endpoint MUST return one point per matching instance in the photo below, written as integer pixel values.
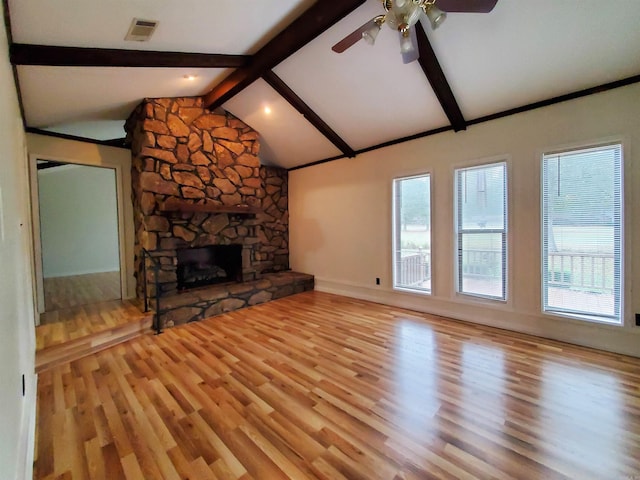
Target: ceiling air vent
(141, 30)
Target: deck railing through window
(592, 272)
(481, 263)
(414, 268)
(589, 272)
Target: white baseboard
(610, 338)
(79, 272)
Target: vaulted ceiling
(78, 76)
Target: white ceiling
(59, 95)
(292, 140)
(360, 90)
(204, 26)
(521, 52)
(527, 51)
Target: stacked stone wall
(182, 153)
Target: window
(582, 233)
(412, 233)
(481, 230)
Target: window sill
(424, 293)
(479, 298)
(584, 319)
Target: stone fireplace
(210, 265)
(197, 182)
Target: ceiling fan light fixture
(402, 13)
(406, 45)
(435, 15)
(371, 33)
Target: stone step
(80, 347)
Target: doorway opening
(78, 220)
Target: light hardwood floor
(87, 329)
(67, 292)
(70, 324)
(317, 386)
(84, 313)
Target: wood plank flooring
(74, 290)
(78, 322)
(317, 386)
(87, 329)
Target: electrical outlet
(377, 280)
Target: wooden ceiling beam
(54, 56)
(315, 20)
(44, 164)
(296, 102)
(114, 142)
(431, 68)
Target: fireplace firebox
(201, 266)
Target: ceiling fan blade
(353, 37)
(468, 6)
(413, 54)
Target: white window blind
(412, 233)
(481, 230)
(582, 233)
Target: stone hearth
(209, 301)
(197, 181)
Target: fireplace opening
(209, 265)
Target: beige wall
(17, 340)
(340, 214)
(70, 151)
(74, 240)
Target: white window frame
(619, 275)
(396, 248)
(458, 232)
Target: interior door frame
(124, 212)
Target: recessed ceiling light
(191, 77)
(267, 110)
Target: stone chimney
(197, 180)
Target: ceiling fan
(402, 15)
